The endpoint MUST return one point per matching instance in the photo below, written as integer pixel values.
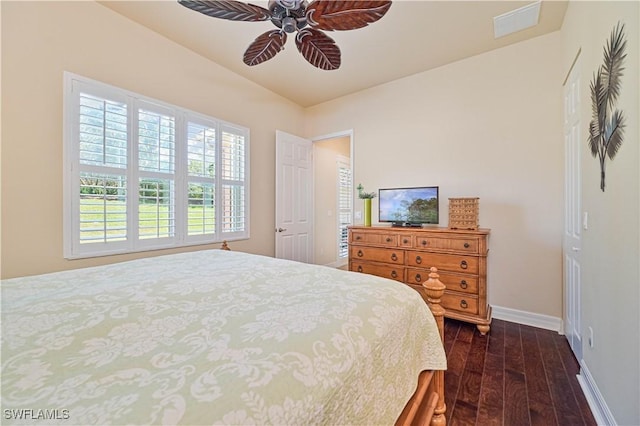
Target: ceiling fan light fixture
(289, 24)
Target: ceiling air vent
(516, 20)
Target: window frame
(74, 85)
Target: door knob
(281, 229)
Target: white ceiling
(414, 36)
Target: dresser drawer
(465, 245)
(460, 303)
(376, 254)
(444, 262)
(382, 239)
(405, 241)
(461, 283)
(385, 271)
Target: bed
(219, 337)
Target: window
(345, 200)
(142, 174)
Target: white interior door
(572, 242)
(294, 198)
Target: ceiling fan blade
(265, 47)
(228, 9)
(345, 15)
(318, 49)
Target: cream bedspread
(212, 337)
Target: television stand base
(406, 225)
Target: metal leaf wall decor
(606, 128)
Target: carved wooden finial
(225, 246)
(434, 290)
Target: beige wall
(325, 155)
(40, 40)
(611, 245)
(488, 126)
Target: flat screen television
(408, 206)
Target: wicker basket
(463, 213)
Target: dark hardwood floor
(516, 375)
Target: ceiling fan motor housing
(288, 14)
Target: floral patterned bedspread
(212, 337)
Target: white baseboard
(337, 263)
(527, 318)
(598, 405)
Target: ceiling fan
(290, 16)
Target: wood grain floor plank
(516, 403)
(466, 415)
(513, 359)
(496, 338)
(465, 334)
(491, 401)
(456, 360)
(478, 351)
(564, 401)
(450, 333)
(541, 409)
(470, 385)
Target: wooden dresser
(406, 254)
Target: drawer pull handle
(405, 241)
(418, 260)
(463, 264)
(464, 304)
(463, 284)
(466, 245)
(424, 242)
(394, 257)
(388, 239)
(418, 277)
(359, 268)
(358, 237)
(360, 253)
(394, 274)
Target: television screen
(409, 205)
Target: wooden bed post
(434, 290)
(224, 246)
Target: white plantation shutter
(201, 164)
(100, 178)
(233, 180)
(156, 182)
(142, 174)
(102, 208)
(102, 131)
(345, 206)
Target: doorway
(333, 198)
